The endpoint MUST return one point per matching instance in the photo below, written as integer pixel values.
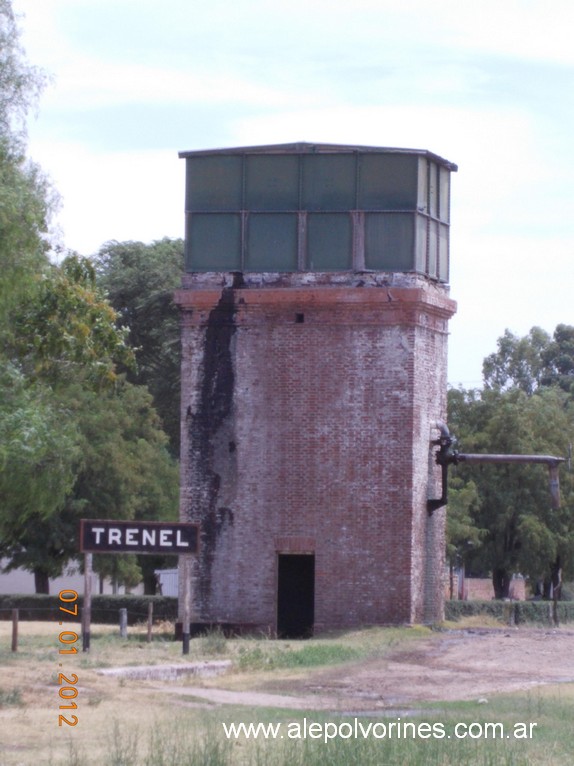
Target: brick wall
(307, 409)
(481, 589)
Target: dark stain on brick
(214, 409)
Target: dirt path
(454, 666)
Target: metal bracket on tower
(447, 454)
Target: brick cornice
(384, 298)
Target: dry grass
(30, 679)
(115, 714)
(29, 731)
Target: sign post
(106, 536)
(186, 596)
(87, 610)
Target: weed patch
(256, 658)
(12, 698)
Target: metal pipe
(549, 460)
(448, 455)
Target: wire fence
(104, 616)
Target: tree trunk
(41, 581)
(501, 583)
(556, 570)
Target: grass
(199, 739)
(123, 722)
(11, 698)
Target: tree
(535, 360)
(125, 472)
(26, 198)
(524, 534)
(66, 335)
(558, 359)
(20, 83)
(39, 449)
(75, 438)
(518, 362)
(69, 332)
(128, 472)
(139, 281)
(462, 534)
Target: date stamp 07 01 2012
(68, 691)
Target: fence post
(123, 622)
(15, 615)
(149, 621)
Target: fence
(125, 610)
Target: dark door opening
(295, 596)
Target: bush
(456, 610)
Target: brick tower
(314, 327)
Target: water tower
(315, 310)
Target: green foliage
(25, 204)
(139, 281)
(269, 658)
(68, 333)
(518, 362)
(455, 610)
(462, 533)
(96, 455)
(26, 198)
(127, 472)
(75, 438)
(212, 642)
(42, 544)
(526, 407)
(559, 359)
(535, 360)
(519, 531)
(20, 83)
(38, 450)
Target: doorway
(295, 595)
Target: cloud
(120, 195)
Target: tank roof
(302, 147)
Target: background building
(314, 327)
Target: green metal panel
(213, 242)
(388, 182)
(444, 195)
(422, 194)
(329, 182)
(389, 241)
(433, 250)
(329, 242)
(214, 183)
(272, 182)
(272, 241)
(421, 244)
(317, 207)
(443, 253)
(433, 190)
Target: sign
(105, 536)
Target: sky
(488, 86)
